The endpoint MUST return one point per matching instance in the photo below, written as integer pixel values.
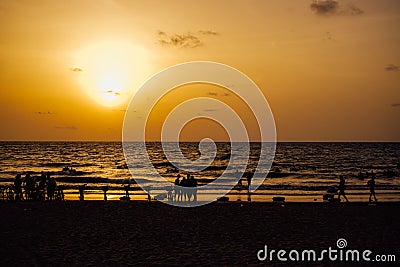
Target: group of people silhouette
(44, 187)
(371, 184)
(36, 188)
(185, 188)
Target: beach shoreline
(222, 233)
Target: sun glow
(110, 72)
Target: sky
(330, 70)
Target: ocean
(300, 171)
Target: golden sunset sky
(330, 70)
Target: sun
(110, 72)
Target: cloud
(216, 94)
(76, 69)
(208, 32)
(396, 105)
(332, 7)
(353, 10)
(185, 40)
(392, 67)
(112, 92)
(324, 7)
(66, 127)
(44, 113)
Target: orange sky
(330, 70)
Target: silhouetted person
(189, 185)
(51, 188)
(147, 190)
(342, 187)
(169, 193)
(18, 187)
(82, 192)
(177, 189)
(29, 186)
(249, 177)
(9, 193)
(183, 185)
(105, 189)
(371, 184)
(42, 186)
(193, 185)
(127, 188)
(60, 192)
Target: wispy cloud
(216, 94)
(76, 69)
(44, 113)
(396, 105)
(185, 40)
(66, 127)
(112, 92)
(354, 10)
(324, 7)
(332, 7)
(392, 67)
(208, 32)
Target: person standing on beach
(42, 186)
(29, 186)
(249, 177)
(60, 192)
(177, 190)
(193, 183)
(81, 189)
(183, 185)
(188, 190)
(51, 188)
(18, 187)
(189, 185)
(342, 187)
(371, 184)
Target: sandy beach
(113, 233)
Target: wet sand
(138, 233)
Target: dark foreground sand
(136, 233)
